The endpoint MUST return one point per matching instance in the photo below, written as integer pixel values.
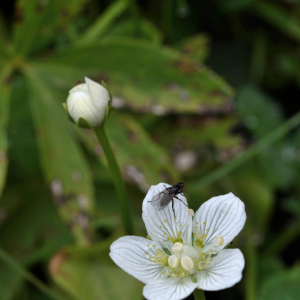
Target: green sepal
(82, 123)
(167, 251)
(228, 245)
(109, 109)
(105, 85)
(194, 277)
(67, 112)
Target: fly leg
(181, 201)
(173, 208)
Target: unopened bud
(89, 101)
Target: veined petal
(161, 225)
(223, 215)
(171, 289)
(99, 94)
(225, 271)
(131, 253)
(79, 87)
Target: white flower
(88, 101)
(186, 252)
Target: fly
(162, 199)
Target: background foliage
(203, 93)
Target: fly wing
(161, 200)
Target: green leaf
(103, 23)
(282, 285)
(134, 150)
(37, 22)
(5, 90)
(279, 18)
(259, 111)
(196, 46)
(127, 28)
(62, 160)
(85, 278)
(143, 77)
(10, 282)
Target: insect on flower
(161, 200)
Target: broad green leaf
(259, 111)
(37, 22)
(64, 166)
(193, 132)
(142, 161)
(10, 282)
(85, 278)
(196, 46)
(142, 77)
(283, 285)
(3, 33)
(5, 90)
(127, 28)
(279, 18)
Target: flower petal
(171, 289)
(225, 271)
(129, 253)
(223, 215)
(162, 225)
(98, 93)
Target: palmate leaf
(147, 30)
(142, 77)
(63, 163)
(86, 278)
(142, 161)
(37, 22)
(281, 285)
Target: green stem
(136, 18)
(27, 275)
(271, 138)
(104, 22)
(117, 178)
(284, 239)
(250, 272)
(199, 295)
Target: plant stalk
(199, 294)
(224, 170)
(27, 275)
(251, 272)
(117, 179)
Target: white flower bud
(89, 101)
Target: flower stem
(199, 295)
(250, 276)
(27, 275)
(224, 170)
(117, 179)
